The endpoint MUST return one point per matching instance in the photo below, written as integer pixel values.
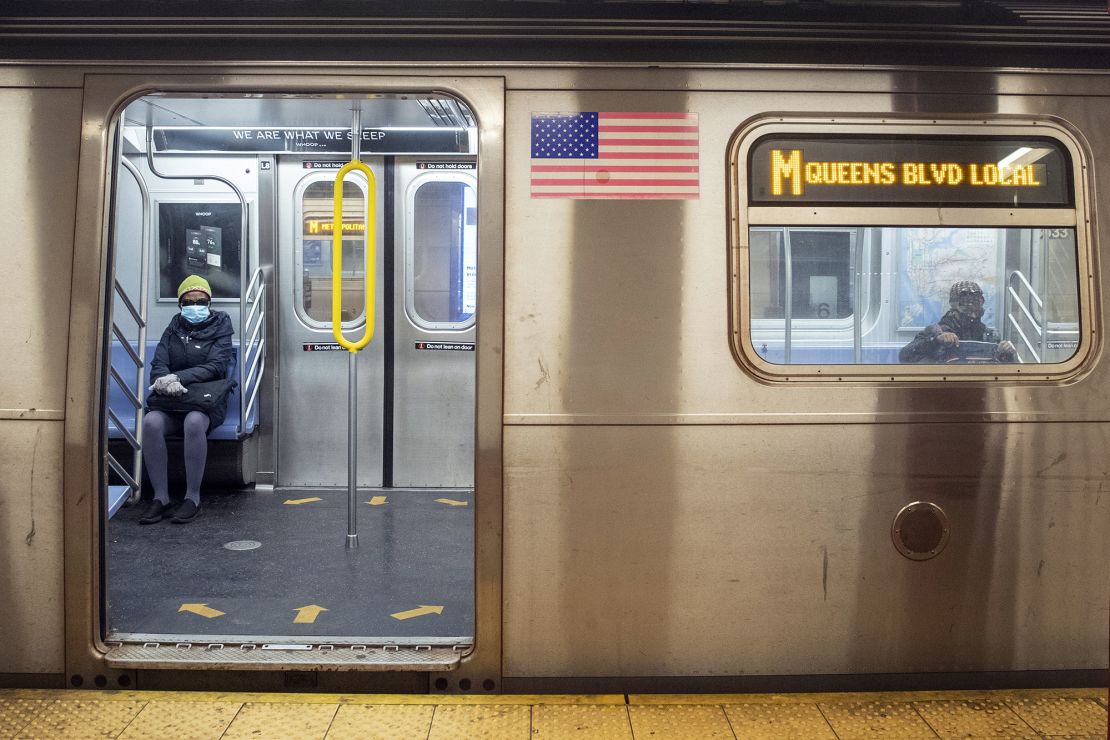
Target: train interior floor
(274, 563)
(1071, 713)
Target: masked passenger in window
(940, 342)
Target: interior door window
(443, 267)
(315, 252)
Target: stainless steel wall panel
(749, 550)
(667, 514)
(38, 191)
(31, 546)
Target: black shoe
(186, 512)
(153, 513)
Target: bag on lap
(204, 397)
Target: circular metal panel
(242, 545)
(920, 530)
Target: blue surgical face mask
(195, 314)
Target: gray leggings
(156, 425)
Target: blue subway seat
(116, 496)
(125, 411)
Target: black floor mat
(414, 552)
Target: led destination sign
(316, 226)
(901, 170)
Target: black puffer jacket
(196, 353)
(925, 348)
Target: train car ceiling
(239, 189)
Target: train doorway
(416, 377)
(240, 191)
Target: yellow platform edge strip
(854, 696)
(287, 698)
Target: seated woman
(195, 348)
(963, 322)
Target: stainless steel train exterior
(657, 504)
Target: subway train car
(625, 346)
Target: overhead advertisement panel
(909, 170)
(294, 139)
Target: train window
(803, 273)
(807, 288)
(441, 260)
(910, 253)
(314, 251)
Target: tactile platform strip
(875, 719)
(554, 722)
(785, 720)
(82, 718)
(679, 722)
(237, 658)
(495, 722)
(381, 722)
(973, 719)
(15, 714)
(281, 721)
(182, 719)
(1061, 715)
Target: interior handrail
(1028, 286)
(254, 310)
(126, 344)
(1017, 285)
(140, 317)
(256, 279)
(369, 278)
(1024, 339)
(135, 400)
(254, 332)
(253, 295)
(127, 435)
(337, 255)
(1024, 309)
(257, 386)
(250, 381)
(118, 469)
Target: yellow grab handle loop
(337, 255)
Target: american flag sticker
(615, 155)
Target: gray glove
(174, 388)
(168, 385)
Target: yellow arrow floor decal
(418, 612)
(295, 501)
(377, 501)
(202, 609)
(452, 502)
(308, 614)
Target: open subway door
(272, 584)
